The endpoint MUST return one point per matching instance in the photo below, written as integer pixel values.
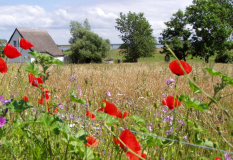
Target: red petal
(25, 44)
(131, 142)
(25, 98)
(3, 66)
(176, 69)
(122, 114)
(115, 140)
(92, 141)
(11, 52)
(110, 108)
(90, 115)
(171, 102)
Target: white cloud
(101, 16)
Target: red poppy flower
(25, 98)
(35, 81)
(92, 141)
(131, 142)
(122, 114)
(89, 114)
(3, 66)
(171, 102)
(25, 44)
(54, 111)
(217, 158)
(176, 69)
(109, 109)
(41, 101)
(11, 52)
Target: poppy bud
(156, 105)
(219, 133)
(13, 68)
(90, 102)
(86, 81)
(204, 139)
(29, 57)
(218, 128)
(126, 106)
(150, 112)
(103, 105)
(57, 145)
(25, 57)
(215, 144)
(19, 70)
(180, 152)
(94, 91)
(74, 107)
(55, 89)
(112, 128)
(148, 94)
(194, 79)
(64, 96)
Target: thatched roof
(42, 41)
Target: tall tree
(136, 34)
(76, 29)
(212, 24)
(176, 36)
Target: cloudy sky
(55, 15)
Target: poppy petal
(121, 114)
(109, 109)
(11, 52)
(171, 102)
(90, 115)
(25, 98)
(3, 66)
(92, 141)
(25, 44)
(176, 69)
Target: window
(15, 43)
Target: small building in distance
(41, 40)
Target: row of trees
(210, 22)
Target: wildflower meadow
(148, 111)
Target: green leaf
(18, 106)
(153, 141)
(212, 72)
(197, 105)
(208, 143)
(194, 87)
(49, 122)
(138, 120)
(109, 120)
(72, 97)
(197, 140)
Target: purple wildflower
(169, 131)
(185, 137)
(108, 94)
(180, 121)
(5, 101)
(170, 81)
(150, 127)
(227, 157)
(164, 95)
(80, 91)
(71, 116)
(2, 121)
(60, 106)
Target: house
(41, 40)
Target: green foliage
(86, 45)
(176, 36)
(72, 98)
(18, 106)
(224, 57)
(212, 25)
(136, 34)
(109, 120)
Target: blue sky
(55, 15)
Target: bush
(90, 48)
(225, 57)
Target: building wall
(25, 56)
(24, 53)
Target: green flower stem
(123, 142)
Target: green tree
(136, 34)
(76, 29)
(176, 36)
(2, 45)
(212, 25)
(87, 46)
